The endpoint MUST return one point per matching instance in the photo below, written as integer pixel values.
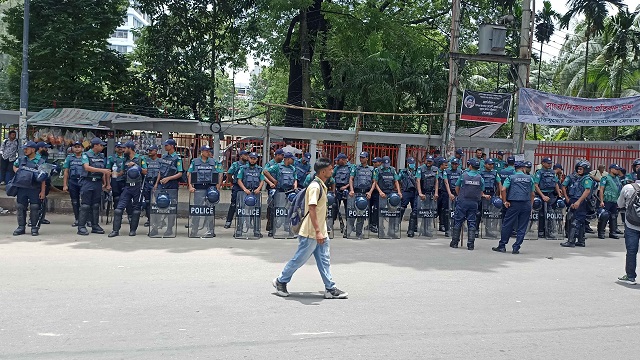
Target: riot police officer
(303, 168)
(480, 157)
(457, 156)
(233, 172)
(469, 187)
(442, 196)
(341, 174)
(386, 182)
(31, 188)
(134, 168)
(578, 187)
(451, 176)
(115, 163)
(547, 187)
(282, 177)
(361, 183)
(492, 187)
(409, 186)
(153, 168)
(91, 184)
(43, 150)
(251, 180)
(517, 196)
(375, 197)
(168, 176)
(278, 157)
(203, 173)
(609, 192)
(509, 170)
(73, 171)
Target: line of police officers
(508, 185)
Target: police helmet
(291, 197)
(163, 201)
(585, 165)
(134, 172)
(250, 200)
(40, 176)
(537, 203)
(213, 195)
(361, 203)
(497, 202)
(331, 198)
(394, 199)
(528, 164)
(635, 163)
(560, 204)
(272, 192)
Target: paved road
(69, 297)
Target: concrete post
(313, 149)
(216, 146)
(358, 151)
(402, 156)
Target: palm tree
(595, 13)
(544, 29)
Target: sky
(549, 50)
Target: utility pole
(305, 58)
(449, 123)
(24, 78)
(519, 129)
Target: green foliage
(69, 59)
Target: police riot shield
(389, 220)
(281, 226)
(202, 214)
(427, 211)
(554, 222)
(163, 213)
(491, 224)
(452, 213)
(357, 217)
(248, 212)
(532, 228)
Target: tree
(69, 59)
(187, 47)
(595, 13)
(544, 30)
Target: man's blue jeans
(631, 238)
(307, 247)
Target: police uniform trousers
(542, 216)
(359, 222)
(577, 221)
(443, 209)
(232, 207)
(146, 195)
(612, 208)
(44, 203)
(481, 209)
(200, 198)
(74, 193)
(90, 199)
(374, 204)
(171, 219)
(28, 198)
(340, 200)
(465, 209)
(518, 214)
(129, 199)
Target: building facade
(123, 38)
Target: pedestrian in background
(9, 151)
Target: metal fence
(597, 154)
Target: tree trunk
(535, 128)
(586, 64)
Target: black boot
(581, 238)
(230, 213)
(21, 213)
(117, 223)
(95, 220)
(75, 204)
(471, 239)
(44, 205)
(135, 220)
(455, 239)
(587, 228)
(613, 227)
(34, 216)
(413, 224)
(85, 213)
(571, 236)
(601, 228)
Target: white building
(123, 39)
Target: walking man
(9, 151)
(313, 237)
(631, 231)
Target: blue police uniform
(286, 178)
(153, 169)
(471, 185)
(205, 174)
(130, 195)
(117, 183)
(409, 188)
(341, 174)
(519, 188)
(233, 172)
(362, 177)
(28, 192)
(91, 193)
(302, 170)
(576, 185)
(73, 164)
(491, 181)
(547, 181)
(170, 164)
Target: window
(120, 34)
(137, 23)
(120, 48)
